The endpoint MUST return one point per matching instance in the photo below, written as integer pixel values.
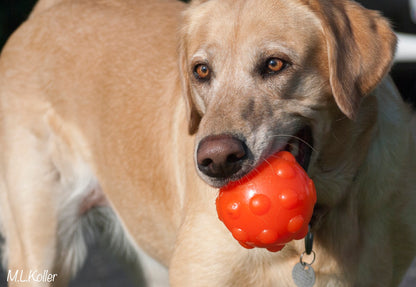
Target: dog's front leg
(202, 256)
(29, 210)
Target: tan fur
(93, 98)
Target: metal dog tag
(303, 275)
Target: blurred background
(103, 269)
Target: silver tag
(303, 275)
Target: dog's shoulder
(391, 160)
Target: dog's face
(265, 76)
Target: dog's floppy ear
(193, 115)
(360, 46)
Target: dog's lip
(304, 142)
(300, 144)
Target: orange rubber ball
(269, 207)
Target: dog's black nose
(221, 156)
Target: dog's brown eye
(275, 65)
(202, 72)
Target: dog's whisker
(297, 138)
(271, 166)
(255, 169)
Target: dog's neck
(342, 152)
(347, 174)
(355, 148)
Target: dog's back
(79, 80)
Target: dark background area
(101, 268)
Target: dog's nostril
(235, 157)
(206, 162)
(221, 156)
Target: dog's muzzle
(224, 158)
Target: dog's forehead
(252, 23)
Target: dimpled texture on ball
(271, 206)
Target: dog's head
(263, 76)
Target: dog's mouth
(301, 146)
(224, 158)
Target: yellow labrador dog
(129, 114)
